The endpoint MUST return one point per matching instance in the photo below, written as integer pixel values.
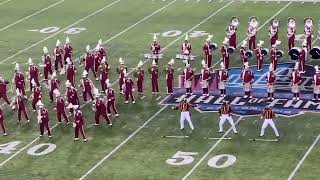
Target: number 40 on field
(37, 150)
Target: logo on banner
(282, 103)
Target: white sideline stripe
(259, 28)
(122, 143)
(5, 2)
(304, 157)
(84, 103)
(183, 35)
(88, 16)
(120, 33)
(6, 27)
(210, 150)
(149, 120)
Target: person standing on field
(185, 114)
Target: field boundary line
(5, 2)
(210, 150)
(29, 16)
(82, 19)
(54, 126)
(304, 158)
(150, 119)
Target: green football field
(133, 148)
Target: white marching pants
(223, 119)
(185, 116)
(265, 124)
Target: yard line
(150, 119)
(210, 150)
(259, 28)
(88, 16)
(304, 157)
(183, 35)
(5, 2)
(120, 33)
(6, 27)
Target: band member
(139, 75)
(3, 90)
(308, 31)
(208, 50)
(19, 80)
(274, 56)
(58, 53)
(303, 56)
(268, 116)
(103, 73)
(2, 123)
(87, 86)
(296, 81)
(316, 84)
(43, 119)
(186, 46)
(102, 49)
(36, 95)
(243, 53)
(273, 31)
(78, 124)
(100, 110)
(188, 78)
(128, 89)
(111, 99)
(97, 58)
(232, 32)
(259, 55)
(71, 95)
(54, 84)
(89, 61)
(19, 102)
(33, 73)
(155, 47)
(291, 31)
(205, 76)
(67, 51)
(46, 59)
(121, 68)
(71, 72)
(60, 107)
(153, 70)
(224, 53)
(252, 32)
(170, 77)
(247, 78)
(225, 114)
(185, 114)
(223, 78)
(271, 80)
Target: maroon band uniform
(129, 88)
(3, 90)
(2, 122)
(79, 125)
(207, 53)
(259, 57)
(205, 76)
(291, 37)
(20, 82)
(89, 63)
(111, 101)
(67, 52)
(101, 110)
(225, 56)
(33, 74)
(169, 78)
(44, 123)
(71, 73)
(58, 53)
(273, 33)
(60, 108)
(37, 95)
(154, 79)
(53, 84)
(47, 69)
(140, 79)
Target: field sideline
(134, 147)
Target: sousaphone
(315, 53)
(294, 53)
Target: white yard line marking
(62, 30)
(158, 98)
(149, 120)
(304, 158)
(5, 2)
(259, 28)
(210, 150)
(135, 24)
(143, 97)
(87, 101)
(6, 27)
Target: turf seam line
(304, 158)
(29, 16)
(61, 30)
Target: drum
(231, 50)
(270, 88)
(222, 85)
(213, 46)
(265, 51)
(152, 56)
(295, 88)
(294, 53)
(279, 53)
(316, 89)
(315, 53)
(249, 53)
(247, 87)
(185, 57)
(187, 84)
(204, 84)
